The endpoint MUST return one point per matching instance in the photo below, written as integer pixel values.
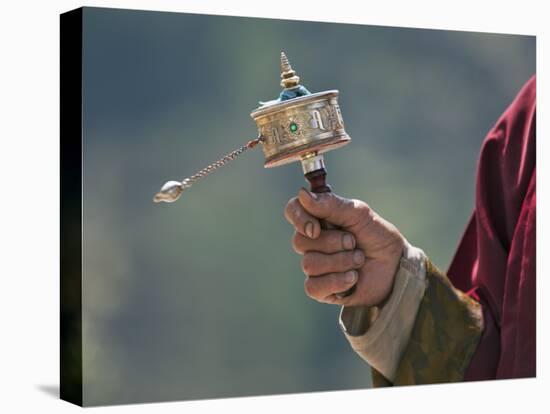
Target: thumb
(337, 210)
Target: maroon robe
(495, 260)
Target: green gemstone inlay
(293, 127)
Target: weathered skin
(370, 259)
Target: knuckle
(308, 264)
(364, 214)
(309, 287)
(290, 209)
(359, 206)
(339, 201)
(325, 203)
(297, 243)
(335, 204)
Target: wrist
(380, 333)
(396, 254)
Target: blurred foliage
(204, 298)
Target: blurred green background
(204, 298)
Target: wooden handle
(318, 184)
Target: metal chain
(172, 190)
(187, 182)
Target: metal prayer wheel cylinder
(299, 125)
(295, 128)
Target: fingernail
(348, 241)
(309, 229)
(358, 257)
(309, 193)
(350, 276)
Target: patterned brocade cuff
(446, 332)
(380, 335)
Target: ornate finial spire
(289, 79)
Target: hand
(364, 250)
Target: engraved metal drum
(292, 129)
(297, 126)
